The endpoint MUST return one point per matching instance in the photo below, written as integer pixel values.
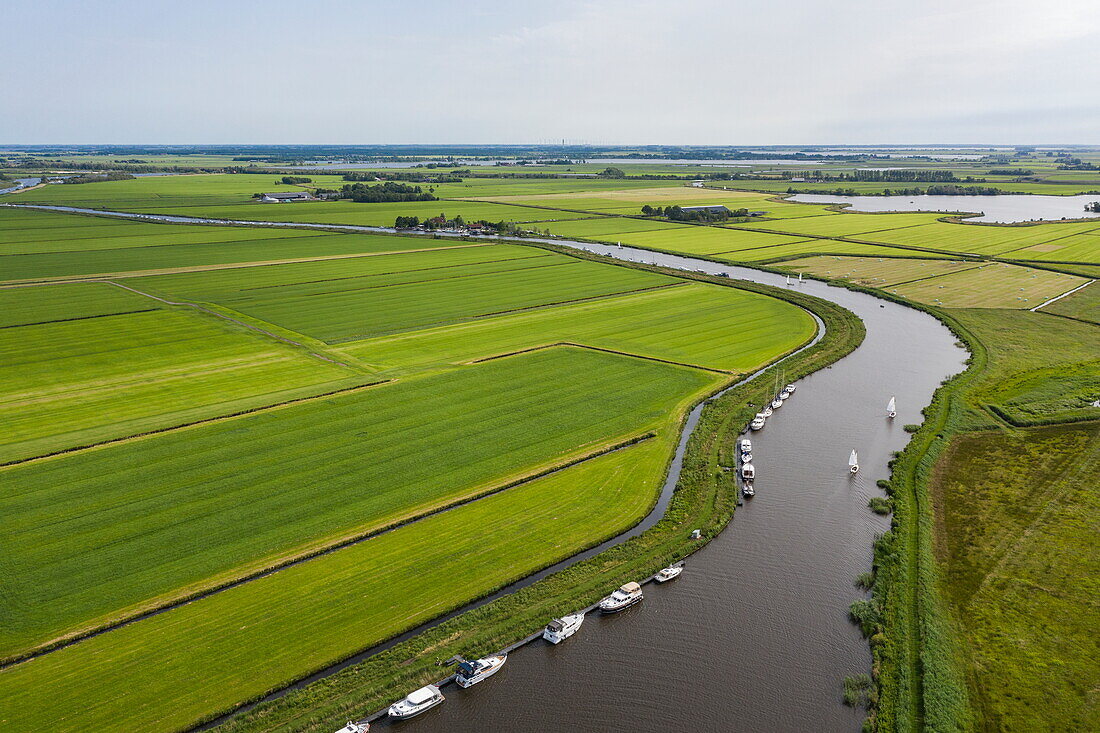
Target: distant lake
(1005, 209)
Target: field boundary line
(1063, 295)
(575, 345)
(310, 554)
(186, 425)
(79, 318)
(435, 279)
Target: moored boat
(417, 702)
(361, 726)
(746, 457)
(748, 472)
(748, 490)
(777, 403)
(757, 422)
(562, 628)
(666, 574)
(745, 445)
(790, 388)
(623, 598)
(784, 395)
(470, 672)
(767, 411)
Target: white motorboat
(757, 423)
(767, 411)
(784, 395)
(790, 388)
(746, 457)
(666, 574)
(470, 672)
(623, 598)
(777, 403)
(748, 472)
(417, 702)
(361, 726)
(562, 628)
(892, 407)
(745, 445)
(853, 462)
(748, 490)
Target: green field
(79, 382)
(876, 272)
(143, 676)
(175, 509)
(1084, 304)
(983, 239)
(714, 328)
(392, 298)
(1018, 518)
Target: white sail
(891, 406)
(788, 279)
(800, 277)
(852, 460)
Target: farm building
(711, 209)
(278, 198)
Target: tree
(612, 173)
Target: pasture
(1081, 247)
(1084, 304)
(991, 285)
(875, 272)
(702, 325)
(69, 383)
(1016, 521)
(393, 297)
(861, 226)
(167, 672)
(983, 239)
(177, 509)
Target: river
(754, 635)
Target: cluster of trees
(97, 177)
(409, 176)
(1076, 164)
(291, 180)
(612, 173)
(675, 213)
(1011, 172)
(940, 190)
(389, 191)
(893, 175)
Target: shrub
(880, 505)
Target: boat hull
(495, 666)
(557, 637)
(397, 715)
(618, 608)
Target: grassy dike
(704, 499)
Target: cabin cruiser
(757, 422)
(745, 445)
(417, 702)
(562, 628)
(784, 395)
(853, 462)
(623, 598)
(666, 574)
(748, 473)
(355, 727)
(748, 490)
(790, 388)
(777, 403)
(472, 672)
(767, 411)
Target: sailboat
(788, 279)
(800, 278)
(891, 408)
(853, 462)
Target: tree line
(387, 192)
(676, 213)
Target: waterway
(754, 635)
(1000, 209)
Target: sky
(722, 72)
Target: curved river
(754, 636)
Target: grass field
(861, 226)
(1084, 304)
(79, 382)
(1081, 247)
(992, 285)
(393, 297)
(703, 325)
(143, 677)
(1017, 525)
(980, 239)
(22, 306)
(875, 272)
(177, 508)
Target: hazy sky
(606, 71)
